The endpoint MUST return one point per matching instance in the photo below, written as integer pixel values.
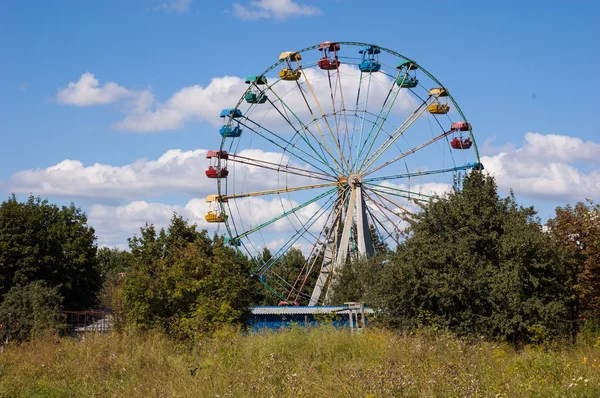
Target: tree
(40, 241)
(476, 264)
(184, 282)
(577, 231)
(112, 261)
(355, 281)
(30, 310)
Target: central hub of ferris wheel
(353, 180)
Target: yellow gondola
(288, 74)
(438, 109)
(214, 213)
(212, 217)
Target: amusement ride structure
(328, 150)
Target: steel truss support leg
(330, 265)
(365, 246)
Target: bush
(29, 311)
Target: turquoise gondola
(255, 95)
(407, 82)
(369, 63)
(231, 131)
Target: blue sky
(524, 73)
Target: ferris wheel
(328, 150)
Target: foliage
(286, 268)
(184, 282)
(577, 231)
(480, 264)
(40, 241)
(355, 280)
(29, 311)
(299, 362)
(114, 264)
(112, 261)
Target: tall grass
(321, 362)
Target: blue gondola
(234, 113)
(230, 131)
(369, 62)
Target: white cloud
(545, 167)
(174, 5)
(114, 224)
(273, 9)
(87, 92)
(205, 103)
(176, 171)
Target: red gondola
(215, 170)
(458, 143)
(326, 62)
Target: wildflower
(584, 361)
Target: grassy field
(296, 363)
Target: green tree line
(472, 262)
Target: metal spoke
(415, 149)
(285, 214)
(402, 192)
(309, 223)
(322, 161)
(280, 167)
(277, 191)
(396, 134)
(304, 126)
(383, 107)
(467, 166)
(322, 113)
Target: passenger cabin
(227, 130)
(218, 164)
(255, 95)
(370, 62)
(215, 213)
(438, 109)
(460, 126)
(405, 80)
(329, 60)
(459, 143)
(289, 74)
